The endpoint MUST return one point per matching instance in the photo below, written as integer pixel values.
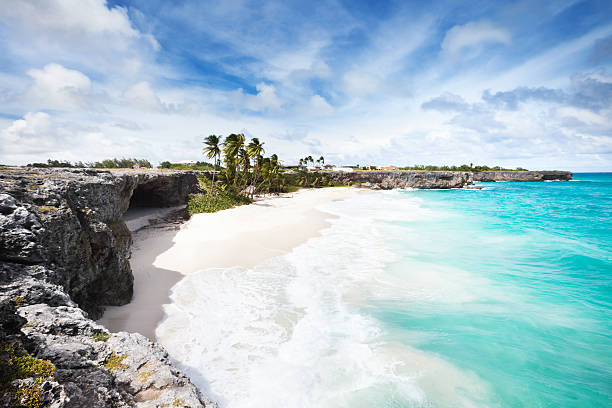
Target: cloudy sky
(514, 83)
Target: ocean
(500, 297)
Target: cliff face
(64, 256)
(387, 180)
(523, 176)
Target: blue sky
(517, 83)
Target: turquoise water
(528, 306)
(500, 297)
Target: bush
(221, 200)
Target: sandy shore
(242, 236)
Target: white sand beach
(242, 236)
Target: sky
(512, 83)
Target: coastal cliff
(387, 180)
(523, 176)
(63, 257)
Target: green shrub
(221, 200)
(16, 364)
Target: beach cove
(388, 299)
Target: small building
(136, 166)
(329, 166)
(389, 168)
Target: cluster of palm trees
(246, 170)
(309, 159)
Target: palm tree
(212, 150)
(322, 160)
(231, 147)
(255, 149)
(274, 166)
(244, 159)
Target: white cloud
(473, 34)
(266, 99)
(57, 87)
(65, 18)
(30, 135)
(142, 96)
(320, 106)
(359, 83)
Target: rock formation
(64, 256)
(386, 180)
(523, 176)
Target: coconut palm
(255, 150)
(231, 147)
(212, 150)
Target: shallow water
(498, 297)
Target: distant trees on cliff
(463, 167)
(104, 164)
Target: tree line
(104, 164)
(463, 167)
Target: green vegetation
(463, 167)
(180, 166)
(246, 172)
(101, 336)
(104, 164)
(221, 200)
(114, 362)
(16, 364)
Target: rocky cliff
(523, 176)
(387, 180)
(64, 256)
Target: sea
(500, 297)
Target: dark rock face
(63, 256)
(69, 220)
(387, 180)
(523, 176)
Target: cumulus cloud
(66, 16)
(57, 87)
(473, 34)
(30, 135)
(79, 32)
(266, 99)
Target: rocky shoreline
(64, 256)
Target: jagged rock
(63, 257)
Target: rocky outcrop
(523, 176)
(64, 256)
(387, 180)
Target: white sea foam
(292, 332)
